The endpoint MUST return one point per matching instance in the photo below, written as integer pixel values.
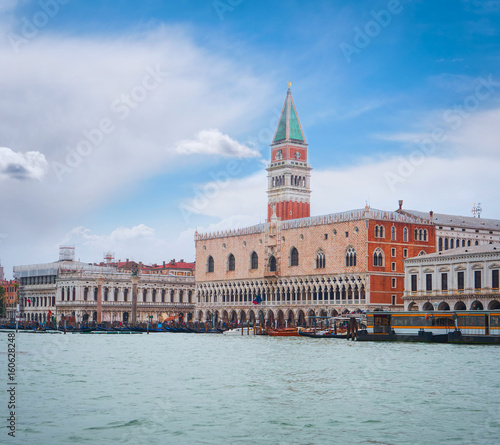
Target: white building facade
(454, 231)
(81, 295)
(38, 287)
(466, 278)
(80, 291)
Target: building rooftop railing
(351, 215)
(120, 276)
(107, 304)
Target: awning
(173, 317)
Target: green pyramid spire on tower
(289, 128)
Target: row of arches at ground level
(458, 306)
(91, 317)
(86, 318)
(271, 318)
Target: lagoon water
(212, 389)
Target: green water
(212, 389)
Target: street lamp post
(150, 319)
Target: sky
(127, 126)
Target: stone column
(135, 280)
(100, 282)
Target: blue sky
(397, 99)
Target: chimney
(400, 204)
(431, 214)
(172, 262)
(182, 261)
(164, 264)
(126, 260)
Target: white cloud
(117, 236)
(224, 199)
(457, 131)
(213, 142)
(127, 242)
(22, 166)
(231, 223)
(140, 231)
(140, 243)
(478, 133)
(444, 185)
(58, 91)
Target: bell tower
(289, 173)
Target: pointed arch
(320, 260)
(254, 260)
(378, 257)
(271, 264)
(350, 257)
(231, 263)
(294, 256)
(210, 264)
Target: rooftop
(174, 265)
(469, 222)
(351, 215)
(468, 251)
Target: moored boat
(433, 326)
(283, 332)
(239, 331)
(321, 333)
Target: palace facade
(293, 266)
(106, 292)
(90, 296)
(466, 278)
(454, 231)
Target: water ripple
(205, 389)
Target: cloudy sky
(125, 126)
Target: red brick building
(302, 266)
(10, 296)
